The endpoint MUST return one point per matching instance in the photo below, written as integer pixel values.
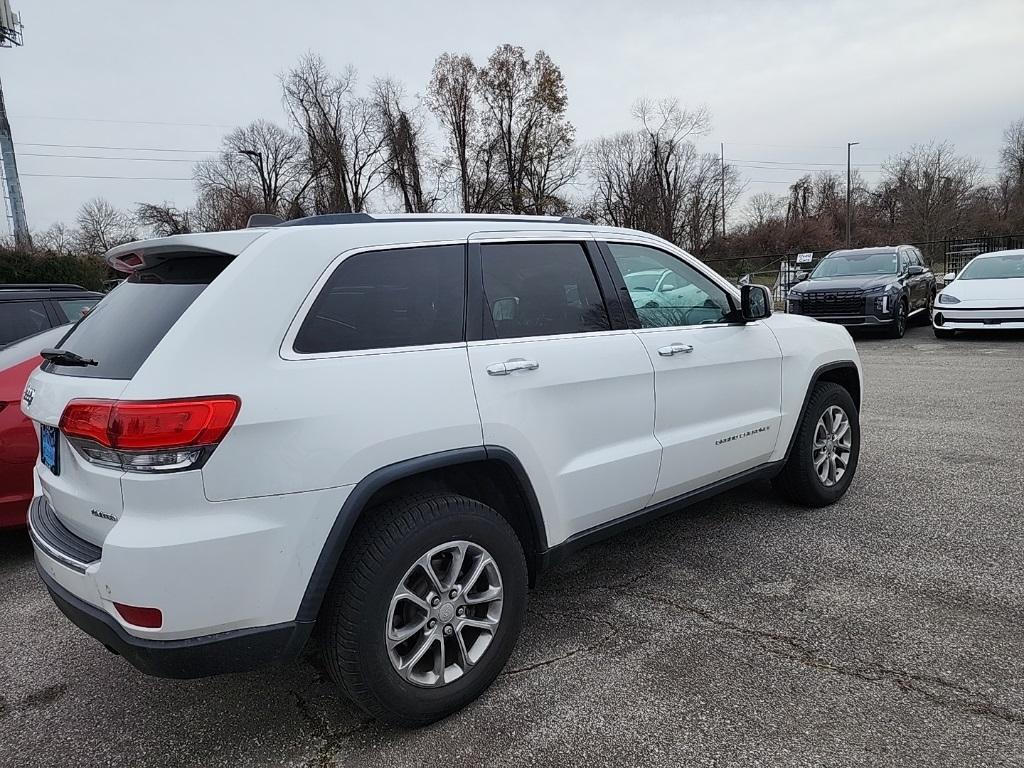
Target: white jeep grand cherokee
(377, 431)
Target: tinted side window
(75, 309)
(666, 291)
(19, 319)
(395, 298)
(905, 260)
(540, 289)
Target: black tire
(898, 327)
(943, 333)
(798, 481)
(355, 611)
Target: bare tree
(100, 226)
(344, 145)
(654, 179)
(259, 170)
(164, 219)
(934, 188)
(669, 130)
(764, 207)
(451, 97)
(624, 188)
(57, 239)
(402, 132)
(524, 103)
(1010, 184)
(1011, 154)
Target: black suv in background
(29, 308)
(867, 287)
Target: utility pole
(848, 175)
(10, 36)
(722, 147)
(10, 171)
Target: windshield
(995, 267)
(849, 263)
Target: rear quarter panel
(311, 423)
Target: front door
(718, 383)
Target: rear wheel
(825, 450)
(425, 608)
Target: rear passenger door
(718, 381)
(560, 381)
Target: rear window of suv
(122, 330)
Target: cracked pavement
(886, 630)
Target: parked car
(386, 427)
(18, 444)
(27, 309)
(987, 294)
(867, 287)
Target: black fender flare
(815, 378)
(364, 490)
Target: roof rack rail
(41, 287)
(365, 218)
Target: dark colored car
(28, 309)
(868, 287)
(18, 443)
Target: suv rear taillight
(149, 435)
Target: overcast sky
(786, 81)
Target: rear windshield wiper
(65, 357)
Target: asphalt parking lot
(886, 630)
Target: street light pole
(848, 145)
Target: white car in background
(987, 294)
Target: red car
(18, 444)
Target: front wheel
(899, 321)
(825, 450)
(425, 608)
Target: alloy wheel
(832, 446)
(444, 614)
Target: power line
(124, 122)
(121, 149)
(124, 178)
(107, 157)
(787, 162)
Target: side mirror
(949, 277)
(755, 302)
(915, 269)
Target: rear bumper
(236, 651)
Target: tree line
(494, 136)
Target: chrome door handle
(674, 349)
(510, 366)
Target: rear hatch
(116, 338)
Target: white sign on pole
(804, 258)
